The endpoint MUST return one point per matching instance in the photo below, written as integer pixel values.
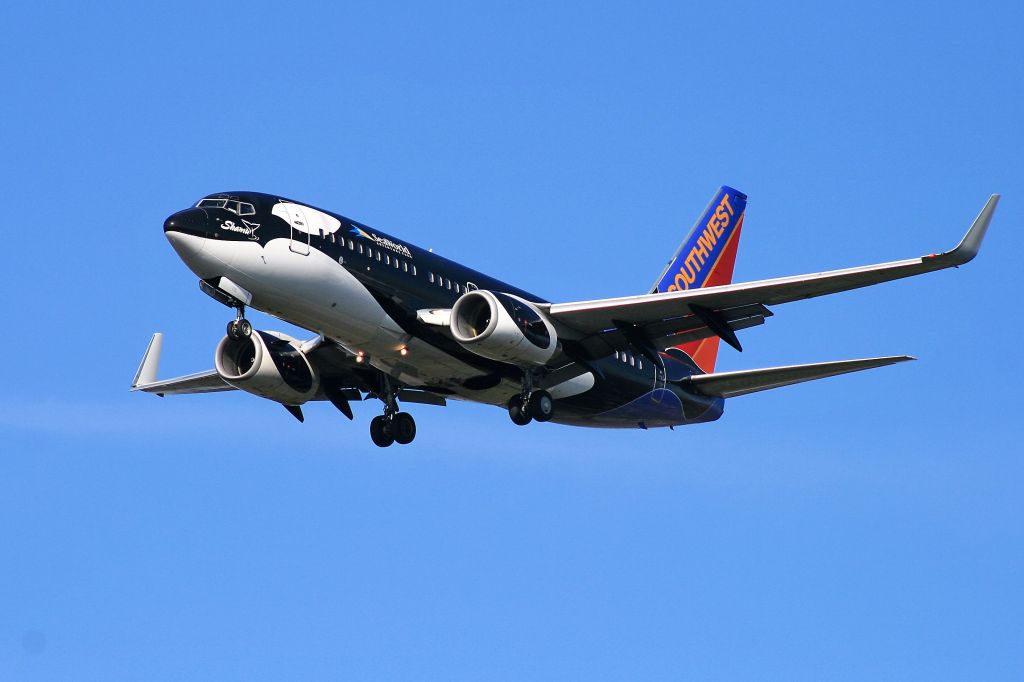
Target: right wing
(722, 309)
(145, 379)
(341, 377)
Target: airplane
(403, 325)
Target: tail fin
(706, 259)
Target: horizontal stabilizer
(732, 384)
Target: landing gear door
(300, 228)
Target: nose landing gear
(239, 327)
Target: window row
(381, 255)
(446, 283)
(387, 258)
(630, 359)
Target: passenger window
(430, 277)
(378, 256)
(387, 259)
(395, 263)
(632, 360)
(332, 238)
(321, 234)
(405, 266)
(360, 249)
(351, 245)
(448, 284)
(414, 270)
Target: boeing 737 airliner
(401, 324)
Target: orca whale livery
(403, 325)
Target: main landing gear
(392, 426)
(239, 327)
(530, 404)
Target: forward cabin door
(300, 229)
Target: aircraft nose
(187, 231)
(189, 221)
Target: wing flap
(670, 332)
(732, 384)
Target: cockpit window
(237, 207)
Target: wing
(598, 326)
(145, 378)
(342, 378)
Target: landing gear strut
(530, 404)
(239, 327)
(392, 426)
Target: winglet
(969, 246)
(150, 363)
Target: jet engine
(503, 327)
(268, 364)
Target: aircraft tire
(516, 411)
(380, 432)
(541, 407)
(403, 426)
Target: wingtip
(150, 364)
(969, 246)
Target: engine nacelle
(267, 364)
(503, 327)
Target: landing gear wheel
(517, 413)
(403, 426)
(540, 406)
(238, 329)
(381, 432)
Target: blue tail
(701, 253)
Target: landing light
(403, 351)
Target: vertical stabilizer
(706, 258)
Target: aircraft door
(300, 230)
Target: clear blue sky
(865, 527)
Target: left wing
(721, 310)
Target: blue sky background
(865, 527)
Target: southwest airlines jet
(403, 325)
